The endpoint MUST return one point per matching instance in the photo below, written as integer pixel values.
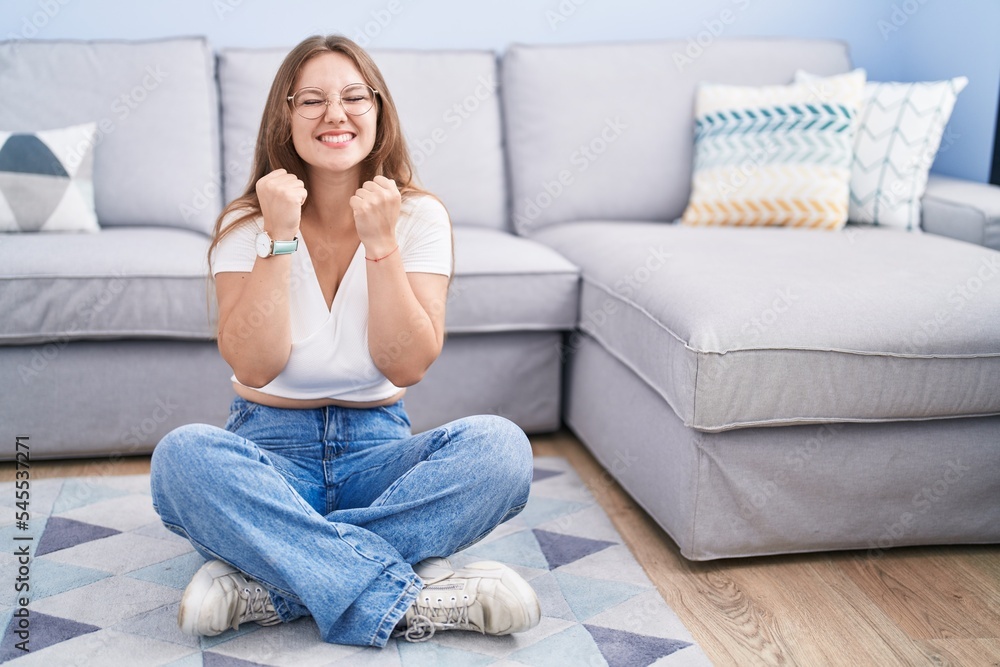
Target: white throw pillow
(46, 180)
(899, 133)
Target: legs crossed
(396, 502)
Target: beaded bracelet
(379, 259)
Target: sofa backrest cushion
(606, 131)
(448, 107)
(156, 151)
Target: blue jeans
(330, 507)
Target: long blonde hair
(274, 150)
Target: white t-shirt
(330, 356)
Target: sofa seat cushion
(150, 282)
(134, 282)
(739, 327)
(508, 283)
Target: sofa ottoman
(804, 389)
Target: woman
(332, 273)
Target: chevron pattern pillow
(900, 127)
(46, 180)
(774, 155)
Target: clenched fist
(281, 196)
(376, 210)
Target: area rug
(105, 580)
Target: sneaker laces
(429, 615)
(419, 629)
(255, 606)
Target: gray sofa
(757, 390)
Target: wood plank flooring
(935, 606)
(914, 606)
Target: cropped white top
(330, 356)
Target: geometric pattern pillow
(899, 132)
(774, 155)
(46, 180)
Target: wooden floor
(914, 606)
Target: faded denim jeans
(329, 508)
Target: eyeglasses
(356, 99)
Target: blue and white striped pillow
(774, 155)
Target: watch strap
(284, 247)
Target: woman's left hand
(376, 210)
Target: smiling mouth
(336, 139)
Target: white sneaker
(485, 597)
(432, 568)
(219, 597)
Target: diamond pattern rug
(106, 579)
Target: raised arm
(254, 323)
(406, 311)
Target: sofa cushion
(46, 181)
(156, 148)
(448, 106)
(774, 155)
(623, 113)
(151, 283)
(739, 327)
(507, 283)
(140, 282)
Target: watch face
(263, 244)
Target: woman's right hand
(281, 197)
